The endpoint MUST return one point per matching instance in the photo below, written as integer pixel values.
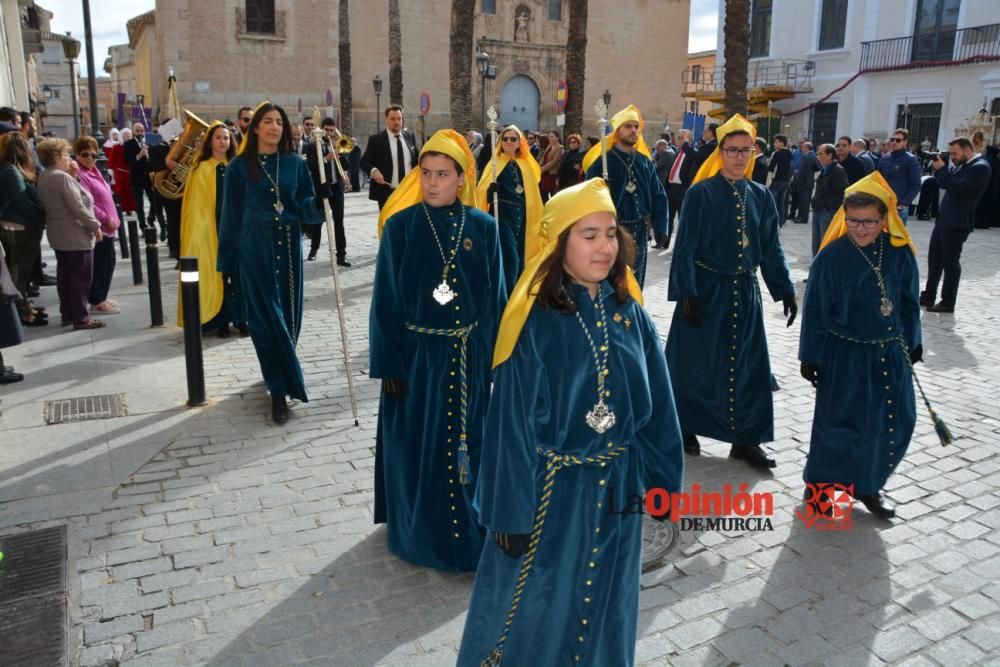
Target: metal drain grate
(85, 408)
(33, 597)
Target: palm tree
(460, 63)
(576, 65)
(344, 63)
(736, 53)
(395, 55)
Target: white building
(874, 65)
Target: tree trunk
(576, 66)
(395, 55)
(460, 66)
(737, 45)
(344, 60)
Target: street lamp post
(483, 64)
(377, 85)
(71, 49)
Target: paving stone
(939, 624)
(94, 633)
(174, 633)
(898, 643)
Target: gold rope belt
(462, 334)
(554, 462)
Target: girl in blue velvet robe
(434, 360)
(268, 196)
(552, 488)
(854, 349)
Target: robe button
(456, 536)
(593, 564)
(586, 600)
(589, 582)
(583, 621)
(455, 521)
(601, 483)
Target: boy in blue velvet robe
(640, 200)
(436, 305)
(558, 583)
(855, 339)
(717, 348)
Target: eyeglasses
(510, 140)
(898, 140)
(866, 223)
(741, 152)
(246, 119)
(87, 155)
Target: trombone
(343, 146)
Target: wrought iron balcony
(933, 49)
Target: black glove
(790, 307)
(810, 372)
(917, 354)
(396, 388)
(514, 545)
(691, 308)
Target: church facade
(239, 52)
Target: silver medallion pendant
(519, 189)
(279, 207)
(600, 417)
(442, 293)
(886, 307)
(630, 186)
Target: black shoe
(244, 329)
(223, 331)
(46, 281)
(44, 264)
(691, 445)
(163, 235)
(279, 410)
(33, 292)
(876, 507)
(941, 307)
(926, 300)
(343, 262)
(9, 377)
(311, 257)
(753, 455)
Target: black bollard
(133, 243)
(153, 267)
(122, 232)
(192, 331)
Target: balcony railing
(794, 75)
(933, 49)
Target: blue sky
(108, 18)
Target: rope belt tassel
(462, 334)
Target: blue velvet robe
(417, 487)
(584, 582)
(265, 248)
(649, 198)
(865, 406)
(512, 222)
(721, 369)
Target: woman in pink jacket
(86, 150)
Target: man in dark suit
(854, 167)
(760, 161)
(664, 157)
(333, 190)
(780, 165)
(803, 180)
(708, 144)
(137, 158)
(964, 185)
(679, 177)
(389, 156)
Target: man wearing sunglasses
(901, 169)
(243, 118)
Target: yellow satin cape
(713, 165)
(200, 237)
(629, 113)
(409, 193)
(531, 174)
(873, 184)
(561, 212)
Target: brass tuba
(168, 183)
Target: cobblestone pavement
(211, 536)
